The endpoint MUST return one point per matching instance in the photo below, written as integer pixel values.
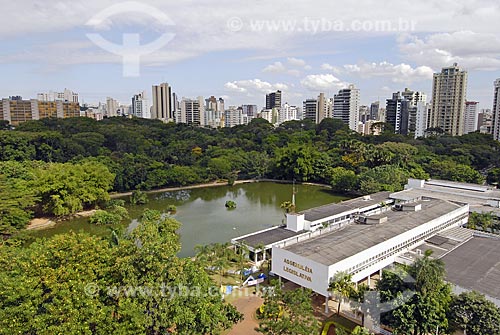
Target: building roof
(475, 265)
(333, 247)
(268, 236)
(318, 213)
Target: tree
(68, 188)
(139, 197)
(342, 286)
(383, 178)
(288, 313)
(480, 220)
(361, 331)
(426, 310)
(17, 196)
(81, 284)
(475, 315)
(342, 180)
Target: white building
(470, 117)
(287, 113)
(66, 95)
(140, 106)
(421, 118)
(346, 106)
(192, 111)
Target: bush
(101, 217)
(230, 204)
(112, 216)
(139, 198)
(171, 209)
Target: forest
(60, 166)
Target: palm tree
(342, 286)
(242, 256)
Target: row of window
(402, 246)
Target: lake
(203, 215)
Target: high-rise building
(394, 111)
(402, 110)
(140, 106)
(162, 103)
(346, 106)
(413, 97)
(324, 109)
(364, 114)
(374, 111)
(192, 111)
(214, 113)
(496, 110)
(233, 116)
(250, 110)
(273, 100)
(66, 96)
(485, 121)
(287, 113)
(310, 107)
(448, 100)
(421, 118)
(112, 107)
(470, 117)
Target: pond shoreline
(216, 184)
(43, 223)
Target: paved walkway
(247, 306)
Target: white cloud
(254, 86)
(293, 67)
(473, 51)
(398, 73)
(322, 82)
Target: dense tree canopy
(146, 154)
(135, 284)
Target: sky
(241, 50)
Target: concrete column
(327, 310)
(380, 273)
(368, 280)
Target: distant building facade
(346, 106)
(162, 103)
(470, 117)
(449, 92)
(496, 110)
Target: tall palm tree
(342, 286)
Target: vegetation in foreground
(133, 284)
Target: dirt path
(247, 306)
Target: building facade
(309, 110)
(496, 110)
(140, 106)
(470, 117)
(346, 106)
(449, 92)
(273, 100)
(162, 108)
(16, 110)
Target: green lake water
(203, 215)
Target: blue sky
(240, 50)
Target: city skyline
(237, 55)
